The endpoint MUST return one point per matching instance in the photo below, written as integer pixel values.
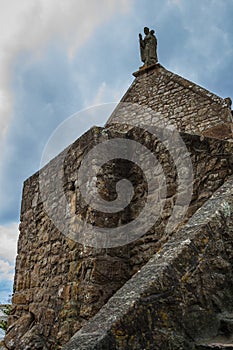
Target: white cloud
(106, 93)
(6, 270)
(100, 94)
(31, 25)
(8, 246)
(32, 28)
(8, 243)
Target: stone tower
(161, 289)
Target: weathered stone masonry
(60, 284)
(182, 298)
(176, 100)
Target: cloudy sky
(58, 57)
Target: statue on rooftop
(148, 47)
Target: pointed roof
(179, 101)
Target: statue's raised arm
(142, 48)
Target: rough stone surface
(174, 100)
(2, 346)
(61, 284)
(182, 297)
(18, 330)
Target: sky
(59, 57)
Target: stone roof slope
(176, 100)
(188, 84)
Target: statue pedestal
(146, 69)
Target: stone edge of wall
(96, 334)
(34, 177)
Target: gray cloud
(31, 26)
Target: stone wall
(182, 298)
(175, 100)
(59, 283)
(61, 280)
